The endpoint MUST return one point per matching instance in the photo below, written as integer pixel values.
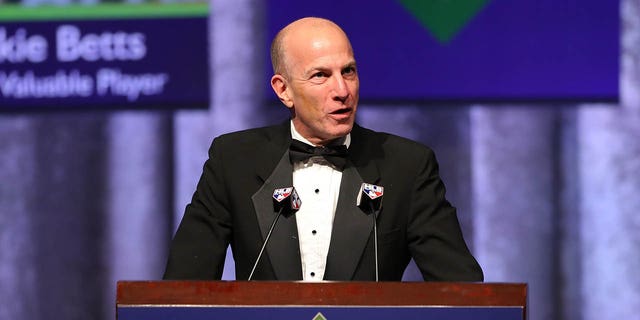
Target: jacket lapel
(282, 249)
(351, 226)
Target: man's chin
(342, 130)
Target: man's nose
(340, 89)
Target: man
(329, 238)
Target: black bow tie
(300, 151)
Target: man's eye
(318, 75)
(349, 70)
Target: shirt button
(314, 232)
(313, 274)
(317, 190)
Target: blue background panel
(510, 50)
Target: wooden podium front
(195, 300)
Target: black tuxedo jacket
(233, 205)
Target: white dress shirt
(318, 185)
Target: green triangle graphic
(444, 18)
(319, 316)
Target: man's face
(321, 84)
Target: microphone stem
(375, 238)
(264, 244)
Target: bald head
(316, 78)
(297, 31)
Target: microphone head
(370, 197)
(286, 198)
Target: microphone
(285, 201)
(370, 201)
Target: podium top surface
(243, 293)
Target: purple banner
(475, 50)
(111, 63)
(318, 313)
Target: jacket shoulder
(253, 134)
(392, 143)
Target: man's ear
(281, 88)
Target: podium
(229, 300)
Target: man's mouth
(341, 111)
